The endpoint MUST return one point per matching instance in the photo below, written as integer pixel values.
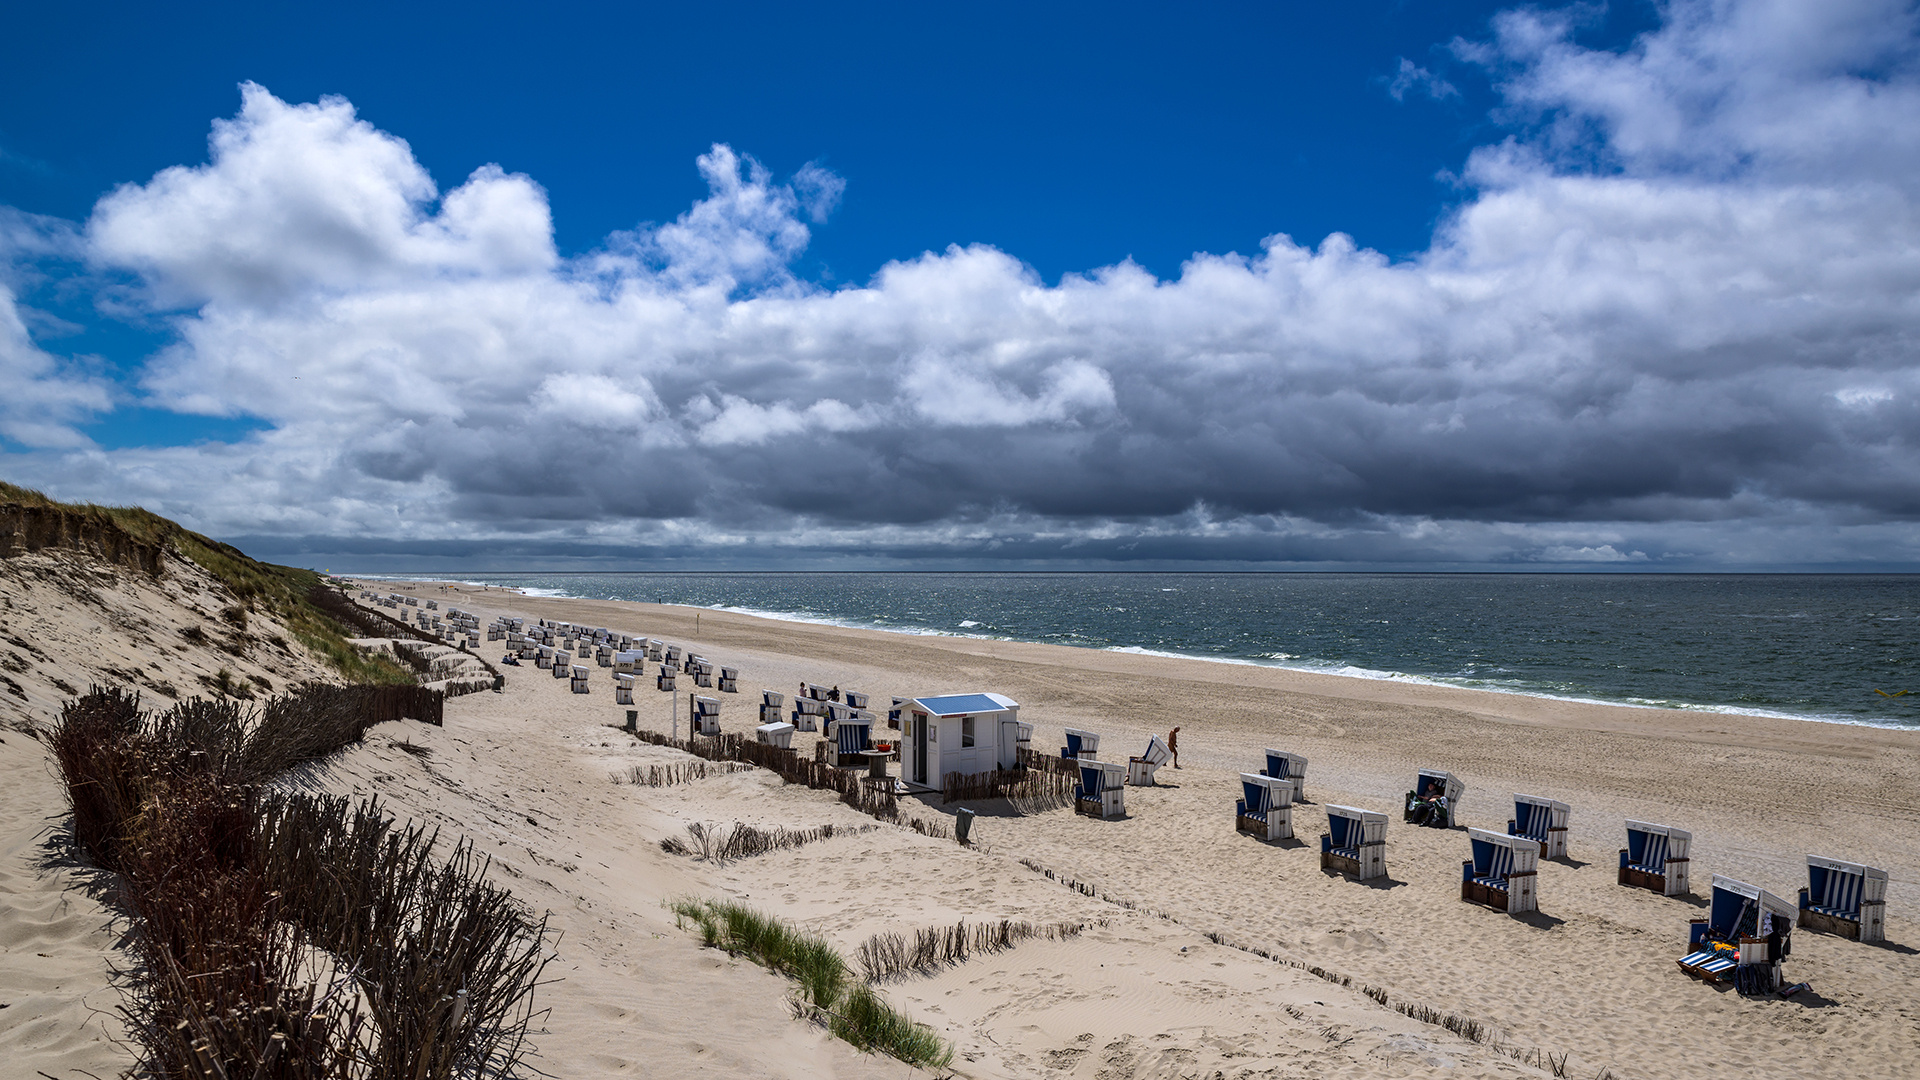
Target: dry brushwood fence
(875, 800)
(290, 937)
(1034, 759)
(1029, 790)
(745, 841)
(669, 775)
(887, 956)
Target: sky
(1447, 285)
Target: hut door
(920, 748)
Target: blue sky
(1293, 285)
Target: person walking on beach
(1173, 746)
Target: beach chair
(729, 680)
(1022, 736)
(1746, 933)
(706, 715)
(849, 738)
(628, 662)
(1265, 807)
(562, 663)
(580, 679)
(1656, 858)
(1542, 819)
(603, 655)
(778, 734)
(622, 689)
(1140, 769)
(1844, 898)
(1101, 791)
(854, 699)
(771, 705)
(893, 712)
(1290, 767)
(1355, 843)
(806, 713)
(1080, 744)
(1431, 785)
(1503, 872)
(545, 657)
(664, 678)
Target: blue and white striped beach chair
(1744, 936)
(1844, 898)
(851, 738)
(1289, 767)
(1541, 819)
(1503, 873)
(1140, 769)
(1265, 808)
(1656, 857)
(1102, 789)
(1080, 744)
(1355, 843)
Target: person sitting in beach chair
(1434, 800)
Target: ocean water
(1824, 647)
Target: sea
(1836, 648)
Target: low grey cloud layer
(1674, 323)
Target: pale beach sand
(1592, 975)
(1146, 991)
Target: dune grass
(285, 591)
(855, 1012)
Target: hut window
(966, 731)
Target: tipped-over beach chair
(1746, 933)
(1080, 744)
(1140, 769)
(1355, 843)
(849, 740)
(1844, 898)
(1265, 808)
(1542, 819)
(1290, 767)
(1438, 794)
(1656, 858)
(1503, 872)
(1101, 791)
(779, 733)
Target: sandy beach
(1591, 975)
(1201, 945)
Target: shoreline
(1356, 674)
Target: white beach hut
(957, 733)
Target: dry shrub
(297, 937)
